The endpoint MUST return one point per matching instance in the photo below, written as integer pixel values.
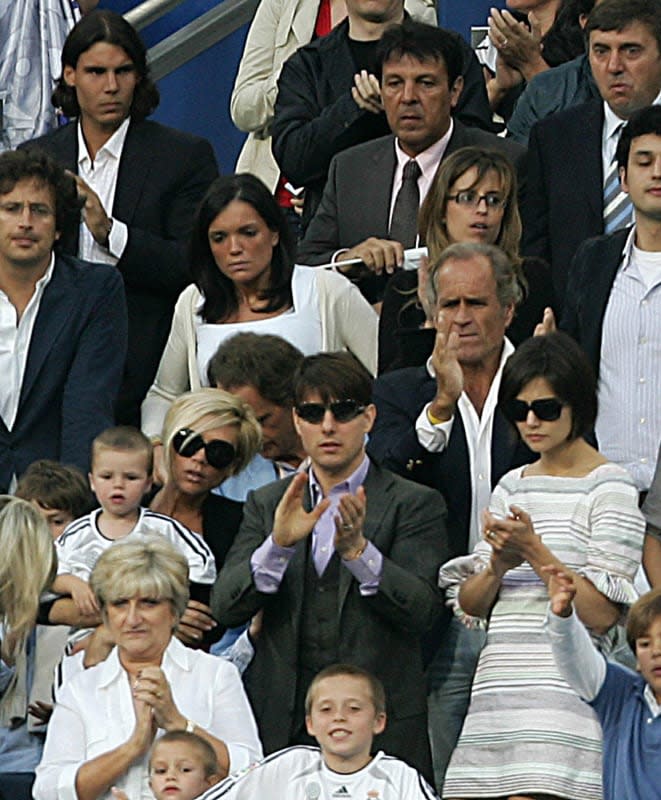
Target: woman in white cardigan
(278, 29)
(242, 264)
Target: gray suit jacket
(381, 633)
(356, 201)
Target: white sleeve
(434, 438)
(580, 664)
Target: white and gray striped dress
(526, 731)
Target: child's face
(177, 771)
(648, 656)
(119, 479)
(56, 518)
(344, 721)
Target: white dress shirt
(15, 338)
(101, 175)
(610, 134)
(628, 425)
(434, 439)
(94, 714)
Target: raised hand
(349, 524)
(152, 688)
(547, 325)
(561, 589)
(449, 374)
(94, 214)
(366, 92)
(196, 620)
(505, 552)
(291, 522)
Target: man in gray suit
(343, 562)
(421, 83)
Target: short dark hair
(423, 42)
(266, 362)
(558, 359)
(641, 616)
(30, 163)
(125, 438)
(103, 25)
(334, 376)
(647, 120)
(219, 293)
(206, 752)
(56, 486)
(615, 15)
(377, 691)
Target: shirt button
(643, 340)
(642, 420)
(641, 380)
(481, 476)
(643, 460)
(324, 549)
(643, 302)
(371, 562)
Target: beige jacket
(278, 29)
(348, 322)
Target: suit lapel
(587, 157)
(51, 318)
(381, 177)
(134, 168)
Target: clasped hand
(511, 538)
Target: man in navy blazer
(440, 425)
(62, 324)
(141, 182)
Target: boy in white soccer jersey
(122, 462)
(344, 710)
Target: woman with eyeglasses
(527, 734)
(471, 199)
(208, 435)
(242, 262)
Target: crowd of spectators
(340, 475)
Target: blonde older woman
(106, 718)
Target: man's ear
(456, 90)
(69, 76)
(623, 179)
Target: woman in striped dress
(527, 734)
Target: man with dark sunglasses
(343, 562)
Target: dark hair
(558, 359)
(31, 163)
(647, 120)
(423, 42)
(377, 691)
(204, 749)
(127, 439)
(220, 299)
(565, 39)
(106, 26)
(641, 616)
(266, 362)
(56, 486)
(615, 15)
(333, 376)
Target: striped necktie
(618, 208)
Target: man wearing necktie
(573, 190)
(369, 207)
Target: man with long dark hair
(140, 181)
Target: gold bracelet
(433, 419)
(357, 554)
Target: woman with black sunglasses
(208, 435)
(527, 734)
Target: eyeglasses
(342, 410)
(548, 409)
(15, 209)
(473, 199)
(218, 452)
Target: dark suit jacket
(162, 176)
(563, 198)
(591, 279)
(400, 396)
(381, 633)
(316, 117)
(356, 200)
(73, 369)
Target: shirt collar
(627, 251)
(175, 653)
(612, 122)
(429, 159)
(651, 700)
(349, 485)
(113, 146)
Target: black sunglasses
(218, 452)
(548, 409)
(342, 410)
